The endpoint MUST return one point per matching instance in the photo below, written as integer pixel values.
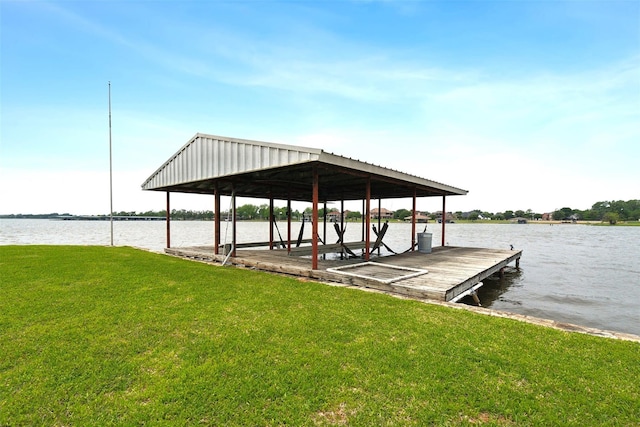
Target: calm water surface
(571, 273)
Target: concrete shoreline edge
(554, 324)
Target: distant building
(467, 215)
(382, 213)
(420, 218)
(449, 217)
(333, 216)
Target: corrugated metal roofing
(263, 169)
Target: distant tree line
(608, 211)
(34, 216)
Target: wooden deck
(443, 274)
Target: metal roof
(263, 169)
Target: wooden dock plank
(451, 270)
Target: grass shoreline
(119, 336)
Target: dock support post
(413, 223)
(368, 220)
(270, 222)
(216, 220)
(289, 224)
(233, 218)
(168, 221)
(474, 295)
(314, 221)
(444, 217)
(342, 226)
(518, 263)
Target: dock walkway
(443, 274)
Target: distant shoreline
(85, 217)
(373, 221)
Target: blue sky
(526, 104)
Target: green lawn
(118, 336)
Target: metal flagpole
(110, 170)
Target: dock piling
(474, 295)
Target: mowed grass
(118, 336)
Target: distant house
(449, 217)
(547, 216)
(381, 213)
(333, 216)
(420, 218)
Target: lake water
(570, 273)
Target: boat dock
(231, 167)
(446, 274)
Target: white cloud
(522, 139)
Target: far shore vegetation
(615, 212)
(119, 336)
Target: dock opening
(379, 272)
